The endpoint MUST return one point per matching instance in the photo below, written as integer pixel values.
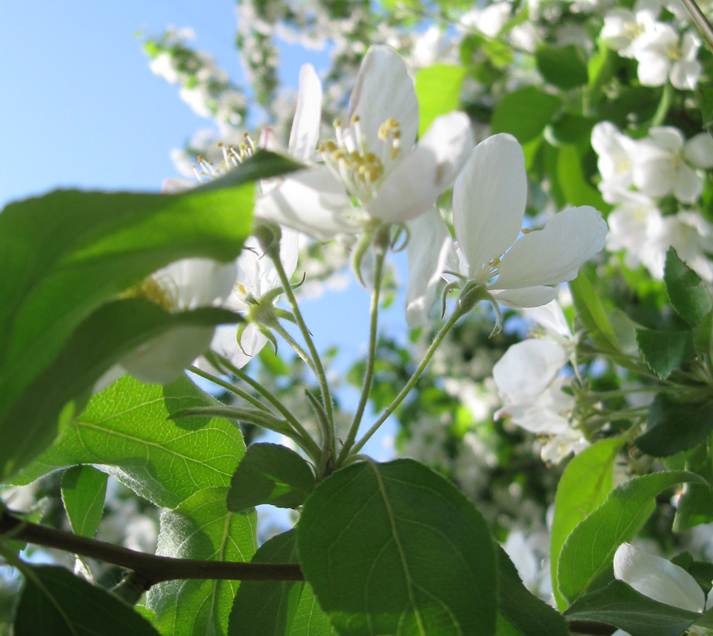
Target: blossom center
(361, 170)
(233, 156)
(159, 290)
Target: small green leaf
(201, 528)
(56, 603)
(270, 474)
(583, 487)
(438, 92)
(664, 351)
(675, 426)
(524, 113)
(396, 549)
(576, 188)
(562, 66)
(527, 614)
(127, 427)
(695, 507)
(589, 550)
(619, 605)
(83, 493)
(591, 313)
(685, 289)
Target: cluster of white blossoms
(662, 53)
(642, 176)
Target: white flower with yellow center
(372, 159)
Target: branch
(153, 569)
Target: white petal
(527, 369)
(658, 578)
(311, 201)
(383, 90)
(699, 151)
(177, 185)
(226, 344)
(489, 199)
(427, 250)
(414, 185)
(667, 138)
(555, 253)
(308, 115)
(525, 297)
(550, 317)
(198, 282)
(687, 187)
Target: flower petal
(525, 297)
(489, 199)
(383, 90)
(658, 578)
(527, 369)
(699, 151)
(555, 253)
(687, 187)
(308, 115)
(427, 250)
(311, 201)
(414, 185)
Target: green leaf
(664, 351)
(591, 313)
(396, 549)
(278, 608)
(575, 186)
(524, 113)
(525, 613)
(583, 487)
(83, 493)
(126, 429)
(562, 66)
(270, 474)
(86, 357)
(56, 603)
(201, 528)
(674, 426)
(65, 254)
(438, 92)
(589, 550)
(685, 289)
(695, 507)
(620, 605)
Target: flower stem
(371, 358)
(459, 311)
(281, 331)
(229, 387)
(328, 434)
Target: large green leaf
(56, 603)
(575, 186)
(562, 66)
(438, 91)
(685, 289)
(524, 113)
(270, 474)
(589, 551)
(674, 426)
(591, 313)
(126, 430)
(201, 528)
(663, 351)
(525, 614)
(396, 549)
(621, 606)
(83, 493)
(278, 608)
(583, 487)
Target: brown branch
(153, 569)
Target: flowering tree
(546, 166)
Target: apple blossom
(616, 155)
(372, 158)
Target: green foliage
(396, 549)
(583, 487)
(589, 550)
(55, 603)
(438, 90)
(126, 429)
(675, 425)
(621, 606)
(270, 474)
(562, 66)
(201, 528)
(524, 113)
(591, 313)
(523, 613)
(664, 351)
(576, 188)
(83, 492)
(685, 289)
(278, 608)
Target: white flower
(622, 26)
(692, 238)
(659, 579)
(372, 158)
(633, 227)
(616, 153)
